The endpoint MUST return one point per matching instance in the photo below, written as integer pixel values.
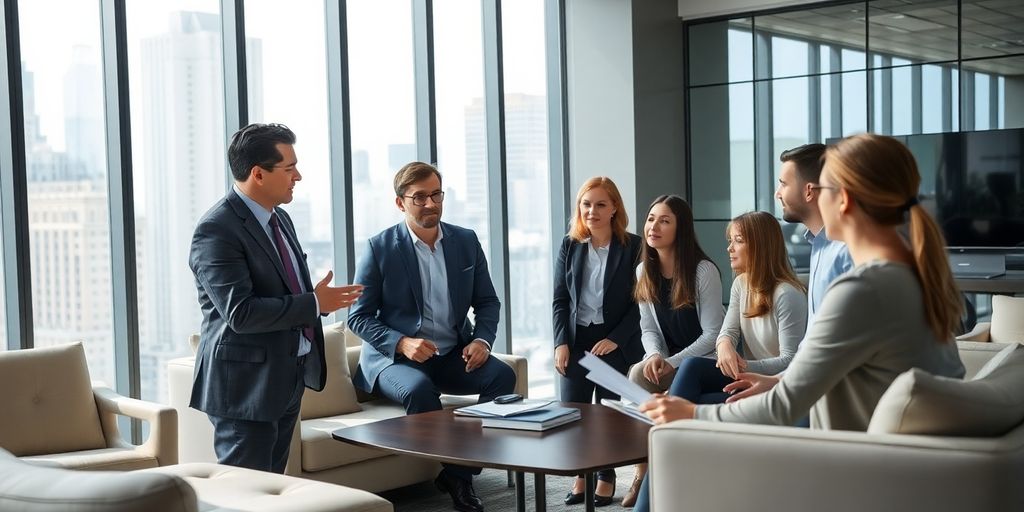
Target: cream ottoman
(227, 488)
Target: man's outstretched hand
(333, 298)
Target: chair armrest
(163, 424)
(519, 366)
(979, 333)
(723, 466)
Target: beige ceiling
(918, 30)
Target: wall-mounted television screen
(973, 182)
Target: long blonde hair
(578, 230)
(767, 264)
(881, 176)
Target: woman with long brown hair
(679, 291)
(593, 307)
(767, 310)
(897, 309)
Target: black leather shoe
(572, 498)
(464, 498)
(602, 501)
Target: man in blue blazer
(420, 279)
(261, 342)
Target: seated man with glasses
(420, 279)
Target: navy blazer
(246, 362)
(391, 305)
(621, 312)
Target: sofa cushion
(920, 403)
(320, 451)
(338, 395)
(33, 488)
(1007, 319)
(230, 489)
(48, 404)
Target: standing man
(421, 276)
(261, 343)
(798, 194)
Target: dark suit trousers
(418, 386)
(261, 445)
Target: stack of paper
(493, 410)
(536, 419)
(607, 377)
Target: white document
(607, 377)
(493, 410)
(627, 409)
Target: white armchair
(53, 415)
(1007, 323)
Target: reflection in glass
(918, 30)
(997, 99)
(461, 122)
(854, 102)
(720, 52)
(990, 29)
(838, 26)
(529, 228)
(297, 98)
(789, 57)
(937, 112)
(178, 158)
(790, 125)
(711, 235)
(722, 127)
(383, 110)
(69, 228)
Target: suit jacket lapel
(403, 244)
(257, 232)
(614, 256)
(452, 268)
(288, 230)
(579, 260)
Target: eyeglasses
(819, 187)
(421, 199)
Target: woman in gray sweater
(767, 310)
(897, 309)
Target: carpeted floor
(492, 487)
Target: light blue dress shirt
(829, 260)
(263, 217)
(438, 325)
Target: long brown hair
(880, 174)
(578, 230)
(767, 264)
(688, 255)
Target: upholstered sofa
(314, 453)
(27, 487)
(54, 415)
(699, 465)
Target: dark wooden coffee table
(603, 438)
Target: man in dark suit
(420, 278)
(261, 343)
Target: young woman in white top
(767, 311)
(679, 291)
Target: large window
(67, 193)
(383, 110)
(895, 67)
(461, 122)
(287, 80)
(526, 147)
(178, 157)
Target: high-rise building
(83, 114)
(185, 172)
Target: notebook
(537, 419)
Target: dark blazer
(391, 305)
(621, 312)
(246, 362)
